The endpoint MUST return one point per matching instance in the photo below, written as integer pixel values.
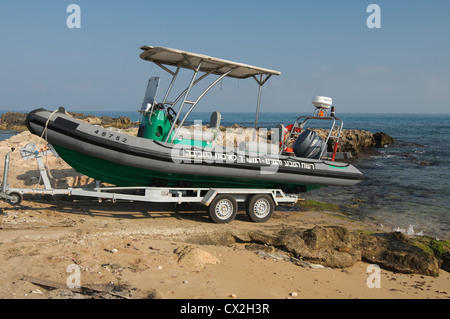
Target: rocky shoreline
(15, 121)
(338, 247)
(356, 141)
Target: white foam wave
(410, 231)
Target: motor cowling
(308, 145)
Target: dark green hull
(127, 176)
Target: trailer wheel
(223, 209)
(260, 208)
(15, 198)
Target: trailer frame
(222, 202)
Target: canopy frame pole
(188, 90)
(261, 81)
(257, 108)
(194, 104)
(174, 77)
(165, 68)
(185, 90)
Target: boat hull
(123, 160)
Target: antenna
(310, 98)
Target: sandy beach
(145, 250)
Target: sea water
(408, 183)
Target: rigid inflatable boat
(165, 153)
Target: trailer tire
(223, 209)
(260, 208)
(15, 198)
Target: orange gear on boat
(287, 132)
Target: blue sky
(320, 47)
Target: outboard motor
(308, 145)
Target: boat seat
(280, 129)
(215, 120)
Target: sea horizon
(87, 112)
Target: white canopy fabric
(166, 56)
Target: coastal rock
(319, 245)
(104, 121)
(322, 245)
(354, 141)
(392, 251)
(382, 139)
(15, 121)
(446, 261)
(337, 247)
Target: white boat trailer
(222, 202)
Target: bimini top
(190, 60)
